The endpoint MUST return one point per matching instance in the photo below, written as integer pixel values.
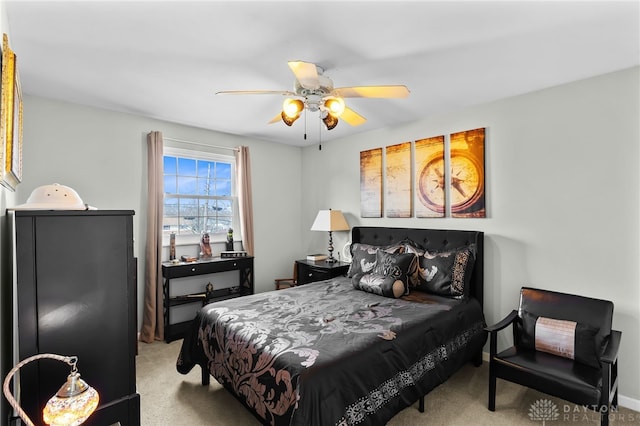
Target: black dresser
(74, 285)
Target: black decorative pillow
(363, 257)
(568, 339)
(409, 246)
(383, 285)
(446, 273)
(397, 265)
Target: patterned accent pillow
(565, 338)
(383, 285)
(396, 265)
(557, 337)
(409, 246)
(363, 257)
(446, 273)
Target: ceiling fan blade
(397, 91)
(306, 73)
(276, 118)
(351, 117)
(256, 92)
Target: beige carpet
(172, 399)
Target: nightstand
(309, 271)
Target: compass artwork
(430, 177)
(466, 163)
(449, 179)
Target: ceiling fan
(313, 91)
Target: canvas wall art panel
(467, 190)
(430, 177)
(399, 194)
(10, 120)
(371, 183)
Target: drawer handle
(193, 269)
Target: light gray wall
(102, 155)
(562, 197)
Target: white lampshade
(330, 220)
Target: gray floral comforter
(325, 353)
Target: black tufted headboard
(435, 239)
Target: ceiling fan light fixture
(288, 120)
(292, 107)
(330, 121)
(291, 110)
(335, 106)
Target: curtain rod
(200, 144)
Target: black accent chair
(589, 379)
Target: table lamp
(71, 405)
(330, 220)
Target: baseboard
(630, 403)
(623, 401)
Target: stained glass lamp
(71, 405)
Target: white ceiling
(166, 60)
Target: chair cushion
(553, 375)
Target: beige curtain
(152, 319)
(245, 203)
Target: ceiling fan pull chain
(319, 138)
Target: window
(199, 194)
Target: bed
(354, 349)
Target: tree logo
(543, 410)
